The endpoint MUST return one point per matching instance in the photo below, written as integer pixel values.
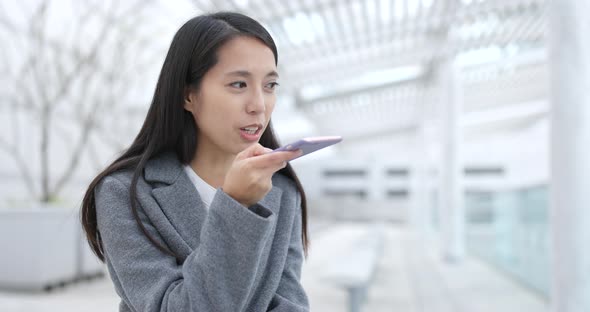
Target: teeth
(250, 130)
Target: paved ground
(411, 277)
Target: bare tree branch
(90, 119)
(93, 155)
(38, 34)
(5, 23)
(70, 77)
(23, 169)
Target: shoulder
(113, 190)
(122, 176)
(162, 168)
(120, 179)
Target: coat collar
(180, 200)
(164, 168)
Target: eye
(238, 84)
(272, 85)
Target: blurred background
(460, 185)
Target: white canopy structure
(364, 69)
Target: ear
(190, 99)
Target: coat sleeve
(217, 276)
(290, 295)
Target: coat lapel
(177, 197)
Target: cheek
(211, 117)
(270, 106)
(210, 106)
(217, 115)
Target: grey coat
(233, 258)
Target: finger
(270, 169)
(252, 150)
(258, 152)
(276, 158)
(279, 157)
(263, 151)
(289, 155)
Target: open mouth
(251, 130)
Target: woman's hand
(249, 178)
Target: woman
(197, 214)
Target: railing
(509, 229)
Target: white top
(206, 191)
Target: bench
(354, 269)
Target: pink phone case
(311, 144)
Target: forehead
(245, 53)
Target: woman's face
(236, 97)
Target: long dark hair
(168, 127)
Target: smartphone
(310, 145)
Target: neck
(212, 167)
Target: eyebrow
(245, 73)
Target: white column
(416, 182)
(570, 155)
(451, 171)
(419, 215)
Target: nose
(256, 103)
